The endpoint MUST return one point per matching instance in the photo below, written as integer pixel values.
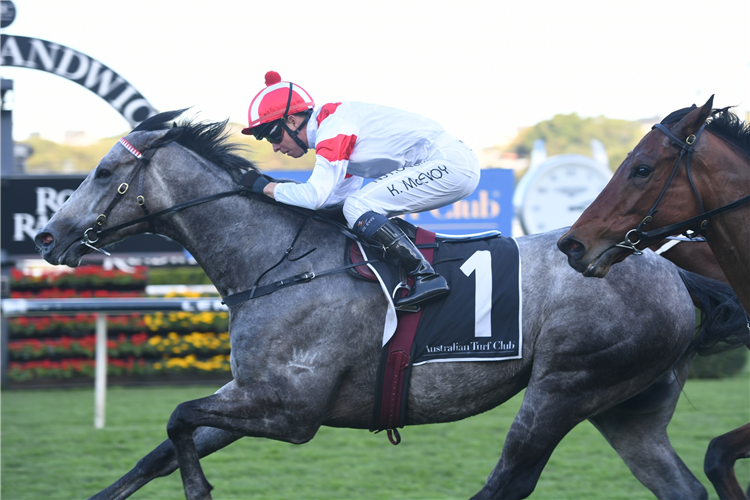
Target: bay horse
(613, 351)
(691, 172)
(691, 255)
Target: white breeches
(449, 175)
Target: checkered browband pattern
(130, 148)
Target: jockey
(416, 165)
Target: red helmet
(278, 100)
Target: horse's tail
(723, 324)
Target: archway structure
(51, 57)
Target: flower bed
(82, 278)
(57, 349)
(75, 326)
(185, 321)
(140, 344)
(130, 366)
(85, 324)
(71, 293)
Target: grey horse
(614, 351)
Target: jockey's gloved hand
(253, 180)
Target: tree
(571, 134)
(52, 157)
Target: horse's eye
(102, 173)
(642, 172)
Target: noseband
(696, 225)
(144, 158)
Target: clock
(556, 191)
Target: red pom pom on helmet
(276, 101)
(271, 78)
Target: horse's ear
(172, 135)
(696, 118)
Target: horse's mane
(731, 128)
(722, 122)
(207, 139)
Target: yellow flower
(182, 294)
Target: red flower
(139, 338)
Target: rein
(259, 291)
(230, 300)
(697, 224)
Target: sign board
(42, 55)
(488, 208)
(7, 13)
(28, 202)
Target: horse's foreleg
(719, 462)
(257, 411)
(162, 462)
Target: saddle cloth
(480, 319)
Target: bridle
(690, 227)
(687, 147)
(144, 158)
(257, 290)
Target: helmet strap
(294, 133)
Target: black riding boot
(428, 284)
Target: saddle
(353, 254)
(400, 352)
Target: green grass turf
(50, 450)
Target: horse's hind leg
(558, 398)
(637, 430)
(541, 423)
(162, 461)
(719, 463)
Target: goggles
(272, 132)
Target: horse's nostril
(572, 248)
(45, 238)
